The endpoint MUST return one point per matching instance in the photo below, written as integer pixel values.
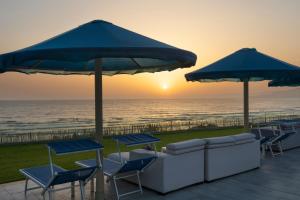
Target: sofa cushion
(186, 150)
(186, 144)
(217, 142)
(244, 138)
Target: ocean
(42, 116)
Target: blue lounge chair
(264, 135)
(272, 136)
(48, 176)
(276, 141)
(115, 171)
(43, 177)
(135, 139)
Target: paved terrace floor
(278, 178)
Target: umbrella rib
(37, 64)
(133, 60)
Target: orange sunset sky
(210, 28)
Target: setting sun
(165, 86)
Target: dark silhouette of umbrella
(97, 47)
(243, 66)
(293, 81)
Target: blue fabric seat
(73, 175)
(264, 134)
(282, 137)
(111, 167)
(48, 176)
(46, 179)
(116, 170)
(41, 175)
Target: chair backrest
(74, 146)
(264, 132)
(255, 131)
(136, 139)
(269, 132)
(284, 136)
(72, 175)
(136, 165)
(286, 127)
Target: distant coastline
(31, 116)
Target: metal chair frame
(50, 189)
(115, 178)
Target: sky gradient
(210, 28)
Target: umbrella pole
(99, 194)
(246, 104)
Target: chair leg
(271, 150)
(92, 188)
(26, 186)
(263, 150)
(139, 181)
(44, 194)
(82, 190)
(50, 193)
(72, 190)
(116, 187)
(280, 148)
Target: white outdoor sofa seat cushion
(244, 138)
(218, 142)
(185, 146)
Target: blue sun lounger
(264, 135)
(135, 139)
(115, 170)
(276, 141)
(272, 137)
(48, 176)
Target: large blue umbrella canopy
(97, 47)
(287, 82)
(74, 52)
(244, 65)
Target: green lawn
(15, 157)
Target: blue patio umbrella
(287, 82)
(97, 47)
(243, 66)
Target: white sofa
(194, 161)
(181, 165)
(229, 155)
